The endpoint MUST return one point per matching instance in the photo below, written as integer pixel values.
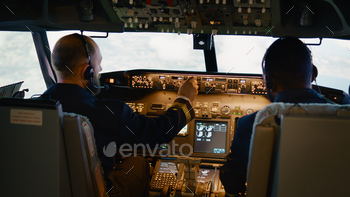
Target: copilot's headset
(89, 72)
(269, 83)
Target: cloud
(19, 62)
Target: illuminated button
(235, 81)
(239, 113)
(234, 113)
(237, 108)
(198, 78)
(230, 80)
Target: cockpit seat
(46, 152)
(300, 150)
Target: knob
(193, 24)
(189, 31)
(245, 21)
(239, 8)
(257, 22)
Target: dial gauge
(210, 128)
(200, 127)
(226, 110)
(249, 111)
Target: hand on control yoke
(189, 89)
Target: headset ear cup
(88, 73)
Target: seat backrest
(47, 152)
(308, 152)
(32, 149)
(83, 161)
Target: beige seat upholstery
(46, 153)
(300, 151)
(83, 161)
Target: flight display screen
(167, 167)
(206, 175)
(210, 137)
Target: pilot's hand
(189, 89)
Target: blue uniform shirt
(114, 121)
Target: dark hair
(69, 52)
(288, 60)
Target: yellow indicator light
(111, 80)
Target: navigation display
(210, 137)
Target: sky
(168, 51)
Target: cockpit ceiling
(301, 18)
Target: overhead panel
(195, 16)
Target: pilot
(77, 62)
(288, 72)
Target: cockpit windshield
(168, 51)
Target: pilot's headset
(89, 72)
(269, 81)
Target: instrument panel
(221, 101)
(208, 84)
